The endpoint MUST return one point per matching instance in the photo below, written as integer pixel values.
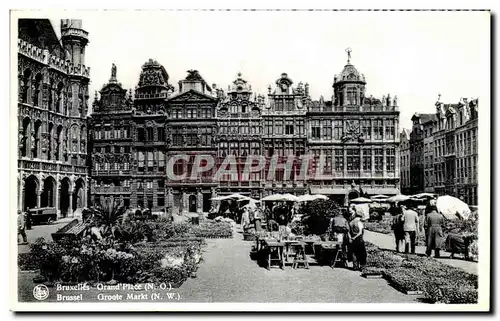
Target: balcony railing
(110, 189)
(49, 166)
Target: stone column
(70, 207)
(38, 198)
(58, 191)
(199, 201)
(373, 161)
(170, 198)
(185, 201)
(385, 163)
(214, 194)
(21, 192)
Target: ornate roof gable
(192, 95)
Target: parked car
(42, 215)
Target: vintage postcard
(250, 160)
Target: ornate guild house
(351, 141)
(358, 138)
(52, 116)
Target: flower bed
(408, 273)
(213, 229)
(385, 227)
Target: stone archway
(31, 186)
(64, 203)
(192, 203)
(48, 197)
(352, 195)
(79, 195)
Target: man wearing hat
(21, 226)
(356, 242)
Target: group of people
(406, 226)
(349, 229)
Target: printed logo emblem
(41, 292)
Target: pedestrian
(28, 219)
(410, 227)
(356, 242)
(245, 219)
(434, 230)
(21, 227)
(397, 226)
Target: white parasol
(423, 195)
(361, 200)
(290, 198)
(450, 206)
(398, 198)
(273, 197)
(379, 197)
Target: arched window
(25, 86)
(35, 147)
(26, 129)
(60, 98)
(37, 94)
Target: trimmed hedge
(439, 282)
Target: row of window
(371, 129)
(283, 127)
(253, 129)
(112, 133)
(202, 113)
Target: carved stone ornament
(352, 132)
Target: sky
(414, 55)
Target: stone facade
(358, 136)
(405, 161)
(239, 123)
(421, 155)
(52, 116)
(456, 149)
(355, 132)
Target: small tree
(317, 216)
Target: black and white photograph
(250, 160)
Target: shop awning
(389, 191)
(328, 191)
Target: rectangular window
(379, 159)
(141, 134)
(161, 161)
(339, 160)
(367, 160)
(327, 129)
(366, 129)
(315, 129)
(389, 129)
(161, 201)
(300, 126)
(353, 159)
(244, 149)
(150, 161)
(352, 96)
(278, 104)
(233, 148)
(255, 148)
(268, 127)
(390, 159)
(338, 129)
(161, 134)
(278, 127)
(117, 133)
(149, 134)
(177, 139)
(117, 149)
(328, 161)
(378, 129)
(289, 127)
(140, 161)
